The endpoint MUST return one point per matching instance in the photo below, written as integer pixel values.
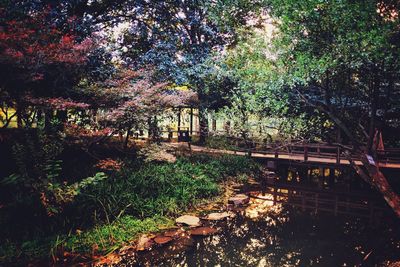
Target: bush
(161, 189)
(220, 142)
(104, 237)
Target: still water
(283, 237)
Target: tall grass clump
(161, 188)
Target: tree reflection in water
(282, 236)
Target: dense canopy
(91, 90)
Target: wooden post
(331, 178)
(338, 155)
(305, 152)
(275, 197)
(179, 119)
(316, 202)
(321, 177)
(191, 121)
(276, 153)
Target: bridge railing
(389, 155)
(307, 150)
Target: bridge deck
(310, 158)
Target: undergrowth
(140, 198)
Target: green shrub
(220, 142)
(105, 237)
(108, 237)
(161, 189)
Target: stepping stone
(173, 233)
(188, 220)
(203, 231)
(161, 240)
(216, 216)
(240, 199)
(144, 243)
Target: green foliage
(35, 156)
(106, 237)
(57, 195)
(339, 57)
(39, 179)
(137, 199)
(260, 105)
(219, 141)
(160, 189)
(111, 236)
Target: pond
(274, 235)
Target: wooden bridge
(305, 153)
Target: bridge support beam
(378, 180)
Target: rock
(203, 231)
(174, 233)
(188, 220)
(216, 216)
(179, 245)
(161, 240)
(185, 241)
(144, 243)
(240, 199)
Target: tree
(341, 59)
(131, 101)
(38, 57)
(178, 38)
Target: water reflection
(275, 235)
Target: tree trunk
(203, 121)
(48, 116)
(372, 122)
(128, 133)
(380, 182)
(153, 129)
(191, 122)
(377, 179)
(20, 113)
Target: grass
(104, 238)
(141, 198)
(108, 237)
